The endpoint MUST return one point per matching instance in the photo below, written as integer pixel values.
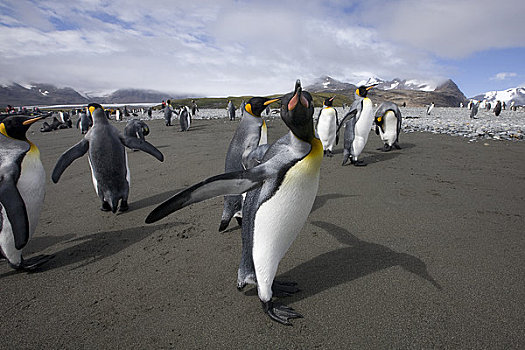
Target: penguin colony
(259, 181)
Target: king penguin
(497, 108)
(22, 190)
(281, 192)
(251, 133)
(84, 121)
(430, 108)
(184, 118)
(327, 124)
(107, 158)
(358, 126)
(388, 125)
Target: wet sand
(423, 248)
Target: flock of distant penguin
(259, 181)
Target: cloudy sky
(227, 47)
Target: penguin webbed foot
(358, 162)
(280, 313)
(123, 206)
(386, 148)
(329, 154)
(32, 264)
(284, 288)
(105, 206)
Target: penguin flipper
(16, 211)
(352, 113)
(236, 182)
(143, 145)
(68, 157)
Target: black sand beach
(423, 248)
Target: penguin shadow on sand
(358, 259)
(371, 157)
(321, 200)
(91, 248)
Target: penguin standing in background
(358, 126)
(241, 108)
(285, 183)
(194, 108)
(168, 112)
(430, 108)
(107, 158)
(497, 108)
(469, 105)
(184, 118)
(327, 125)
(22, 189)
(388, 125)
(488, 106)
(474, 110)
(231, 110)
(118, 116)
(84, 121)
(250, 134)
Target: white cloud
(503, 76)
(449, 28)
(227, 47)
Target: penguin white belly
(95, 182)
(280, 218)
(7, 240)
(326, 128)
(263, 140)
(362, 128)
(31, 185)
(390, 126)
(128, 174)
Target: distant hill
(16, 94)
(328, 84)
(134, 95)
(38, 94)
(413, 92)
(516, 95)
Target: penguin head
(97, 111)
(257, 105)
(16, 126)
(328, 101)
(297, 110)
(362, 91)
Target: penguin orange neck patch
(3, 131)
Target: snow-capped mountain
(327, 83)
(516, 95)
(400, 84)
(411, 92)
(27, 94)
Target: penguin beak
(271, 101)
(371, 86)
(298, 97)
(32, 120)
(331, 99)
